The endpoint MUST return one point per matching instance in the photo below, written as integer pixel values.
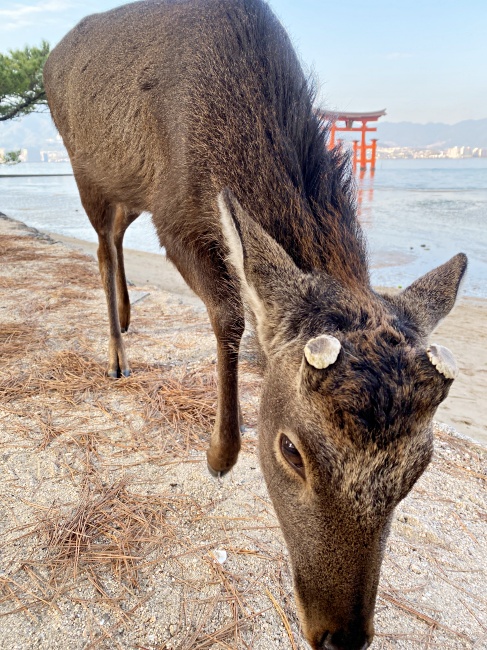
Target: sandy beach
(112, 532)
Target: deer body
(162, 105)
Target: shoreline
(464, 332)
(400, 249)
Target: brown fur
(363, 425)
(163, 104)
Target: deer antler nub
(322, 351)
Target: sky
(422, 60)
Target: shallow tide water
(416, 214)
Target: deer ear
(431, 297)
(268, 277)
(233, 218)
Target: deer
(199, 112)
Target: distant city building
(55, 151)
(411, 152)
(54, 156)
(459, 152)
(408, 153)
(478, 152)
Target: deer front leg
(225, 440)
(201, 265)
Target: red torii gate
(360, 148)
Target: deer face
(349, 394)
(334, 482)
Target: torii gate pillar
(345, 122)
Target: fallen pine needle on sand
(110, 521)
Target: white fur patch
(235, 257)
(232, 238)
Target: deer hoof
(215, 473)
(116, 374)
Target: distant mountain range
(469, 133)
(36, 132)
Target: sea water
(45, 196)
(416, 214)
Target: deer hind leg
(102, 216)
(107, 260)
(122, 221)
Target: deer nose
(338, 641)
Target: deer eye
(292, 455)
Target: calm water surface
(416, 214)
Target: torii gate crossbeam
(344, 121)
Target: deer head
(345, 424)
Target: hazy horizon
(421, 62)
